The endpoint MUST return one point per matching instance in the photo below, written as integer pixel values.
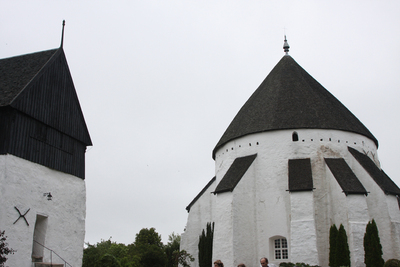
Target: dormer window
(295, 137)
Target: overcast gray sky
(160, 81)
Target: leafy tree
(174, 255)
(4, 249)
(108, 260)
(333, 233)
(171, 248)
(148, 237)
(372, 246)
(108, 253)
(146, 251)
(150, 248)
(206, 245)
(342, 250)
(153, 257)
(182, 257)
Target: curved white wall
(260, 207)
(272, 200)
(22, 185)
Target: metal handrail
(51, 254)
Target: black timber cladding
(40, 116)
(34, 141)
(290, 98)
(379, 176)
(201, 193)
(234, 174)
(50, 97)
(346, 178)
(300, 176)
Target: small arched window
(295, 137)
(279, 248)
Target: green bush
(4, 249)
(333, 233)
(301, 264)
(372, 246)
(342, 248)
(392, 263)
(205, 246)
(339, 252)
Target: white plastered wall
(272, 200)
(381, 207)
(23, 184)
(303, 225)
(201, 213)
(272, 209)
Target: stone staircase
(38, 261)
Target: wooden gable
(40, 116)
(50, 97)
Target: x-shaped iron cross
(23, 216)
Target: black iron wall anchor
(23, 216)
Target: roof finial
(286, 46)
(62, 34)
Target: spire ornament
(62, 34)
(286, 46)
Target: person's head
(264, 262)
(218, 263)
(241, 265)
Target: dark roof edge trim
(201, 193)
(222, 191)
(299, 190)
(355, 193)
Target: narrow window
(295, 137)
(281, 249)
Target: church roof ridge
(290, 98)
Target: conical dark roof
(289, 98)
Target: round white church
(293, 162)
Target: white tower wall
(61, 221)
